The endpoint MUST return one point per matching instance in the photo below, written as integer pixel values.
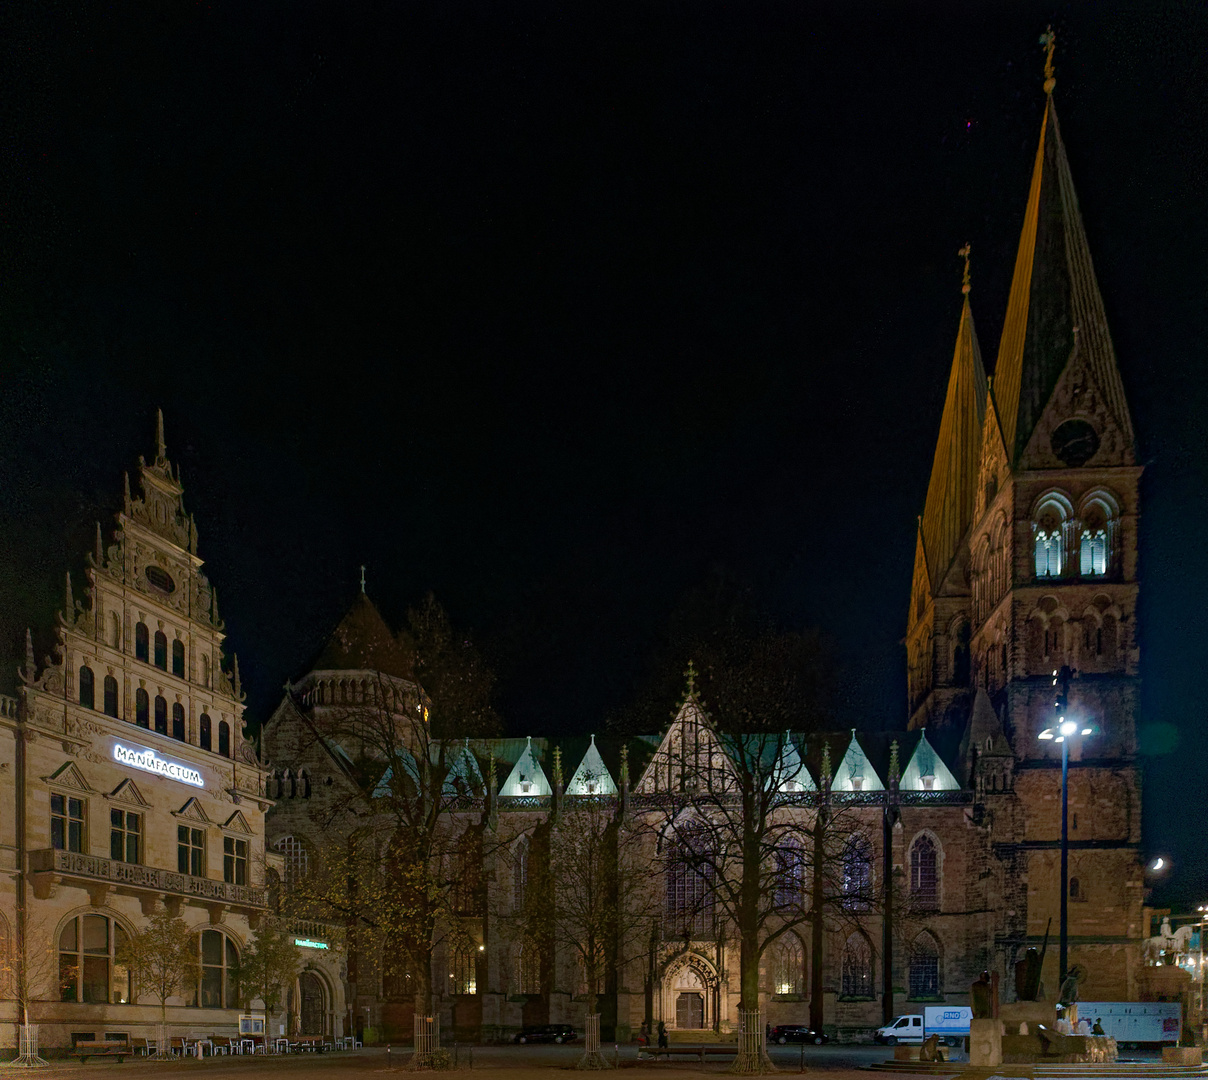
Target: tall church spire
(949, 506)
(1055, 312)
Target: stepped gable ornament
(161, 507)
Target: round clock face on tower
(1075, 442)
(160, 579)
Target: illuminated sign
(149, 761)
(306, 943)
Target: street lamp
(1063, 731)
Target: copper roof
(949, 507)
(1054, 298)
(363, 642)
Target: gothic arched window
(857, 874)
(1075, 889)
(464, 974)
(924, 967)
(87, 688)
(205, 730)
(528, 967)
(857, 967)
(110, 696)
(924, 876)
(520, 872)
(786, 966)
(1094, 553)
(790, 874)
(689, 897)
(1048, 552)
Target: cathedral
(1024, 594)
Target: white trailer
(1134, 1023)
(949, 1022)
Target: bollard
(387, 1055)
(616, 1055)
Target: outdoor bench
(100, 1048)
(698, 1052)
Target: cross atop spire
(362, 579)
(965, 252)
(1049, 40)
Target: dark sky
(557, 308)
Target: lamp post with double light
(1062, 732)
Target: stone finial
(690, 675)
(235, 677)
(362, 579)
(558, 766)
(624, 765)
(129, 502)
(895, 769)
(161, 449)
(1049, 41)
(68, 602)
(826, 764)
(192, 535)
(965, 252)
(30, 668)
(100, 547)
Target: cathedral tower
(1053, 575)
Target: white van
(903, 1029)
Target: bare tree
(24, 969)
(268, 969)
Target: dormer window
(526, 787)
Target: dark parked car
(796, 1033)
(555, 1033)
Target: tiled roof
(363, 642)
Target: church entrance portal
(690, 1011)
(311, 992)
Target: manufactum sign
(149, 761)
(307, 943)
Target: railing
(8, 707)
(317, 930)
(94, 868)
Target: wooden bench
(86, 1048)
(698, 1052)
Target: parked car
(796, 1033)
(902, 1029)
(555, 1033)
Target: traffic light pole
(1063, 948)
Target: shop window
(88, 968)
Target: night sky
(558, 309)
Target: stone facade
(128, 787)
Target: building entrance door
(690, 1011)
(312, 1003)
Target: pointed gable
(689, 753)
(527, 776)
(983, 735)
(948, 510)
(926, 771)
(127, 793)
(1055, 307)
(592, 776)
(790, 769)
(193, 811)
(855, 771)
(68, 775)
(237, 823)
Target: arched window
(1048, 535)
(786, 966)
(218, 987)
(924, 878)
(178, 721)
(205, 730)
(205, 670)
(161, 650)
(857, 874)
(924, 967)
(1094, 552)
(520, 871)
(87, 688)
(142, 642)
(224, 738)
(88, 966)
(857, 967)
(297, 862)
(303, 784)
(528, 967)
(1048, 552)
(790, 874)
(161, 715)
(1075, 889)
(110, 696)
(463, 976)
(287, 784)
(142, 708)
(689, 899)
(178, 658)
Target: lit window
(787, 968)
(67, 823)
(464, 976)
(125, 836)
(1048, 553)
(1094, 553)
(234, 860)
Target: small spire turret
(161, 449)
